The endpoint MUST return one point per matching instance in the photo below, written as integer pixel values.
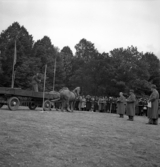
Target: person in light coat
(153, 109)
(121, 105)
(130, 109)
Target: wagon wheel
(52, 105)
(13, 103)
(1, 104)
(47, 105)
(32, 106)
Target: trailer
(15, 97)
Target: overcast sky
(108, 24)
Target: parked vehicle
(15, 97)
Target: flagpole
(14, 62)
(44, 87)
(54, 77)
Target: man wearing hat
(153, 109)
(131, 105)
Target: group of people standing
(128, 105)
(95, 103)
(121, 104)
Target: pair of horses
(68, 98)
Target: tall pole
(14, 62)
(54, 77)
(44, 87)
(14, 59)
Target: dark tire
(47, 105)
(32, 106)
(13, 103)
(1, 105)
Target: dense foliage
(96, 73)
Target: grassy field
(79, 139)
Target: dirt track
(79, 139)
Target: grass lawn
(79, 139)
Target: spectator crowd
(106, 104)
(122, 105)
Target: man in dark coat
(131, 105)
(95, 104)
(100, 104)
(153, 109)
(121, 104)
(88, 102)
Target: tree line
(96, 73)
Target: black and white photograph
(79, 83)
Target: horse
(68, 98)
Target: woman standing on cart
(36, 79)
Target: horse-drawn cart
(15, 97)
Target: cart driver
(36, 79)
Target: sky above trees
(108, 24)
